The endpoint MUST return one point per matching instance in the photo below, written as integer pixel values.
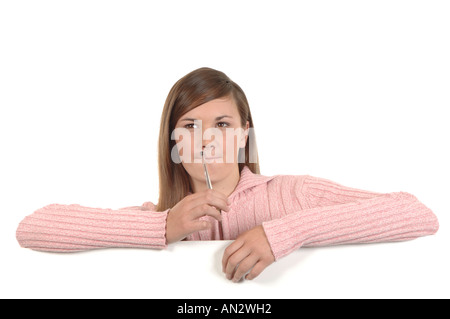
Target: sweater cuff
(157, 230)
(280, 233)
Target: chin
(219, 170)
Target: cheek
(231, 143)
(185, 147)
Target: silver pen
(209, 185)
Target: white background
(353, 91)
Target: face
(214, 128)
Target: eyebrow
(217, 118)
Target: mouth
(213, 159)
(209, 158)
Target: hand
(183, 218)
(249, 252)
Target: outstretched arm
(336, 214)
(332, 214)
(70, 228)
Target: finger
(211, 192)
(234, 260)
(245, 266)
(231, 249)
(213, 198)
(203, 210)
(219, 195)
(256, 270)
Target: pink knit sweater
(295, 211)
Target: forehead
(225, 106)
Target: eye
(191, 125)
(223, 124)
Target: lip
(212, 157)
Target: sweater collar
(248, 180)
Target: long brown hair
(194, 89)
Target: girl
(206, 118)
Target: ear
(244, 137)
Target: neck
(225, 185)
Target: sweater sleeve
(70, 228)
(335, 215)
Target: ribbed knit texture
(69, 228)
(295, 211)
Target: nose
(209, 142)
